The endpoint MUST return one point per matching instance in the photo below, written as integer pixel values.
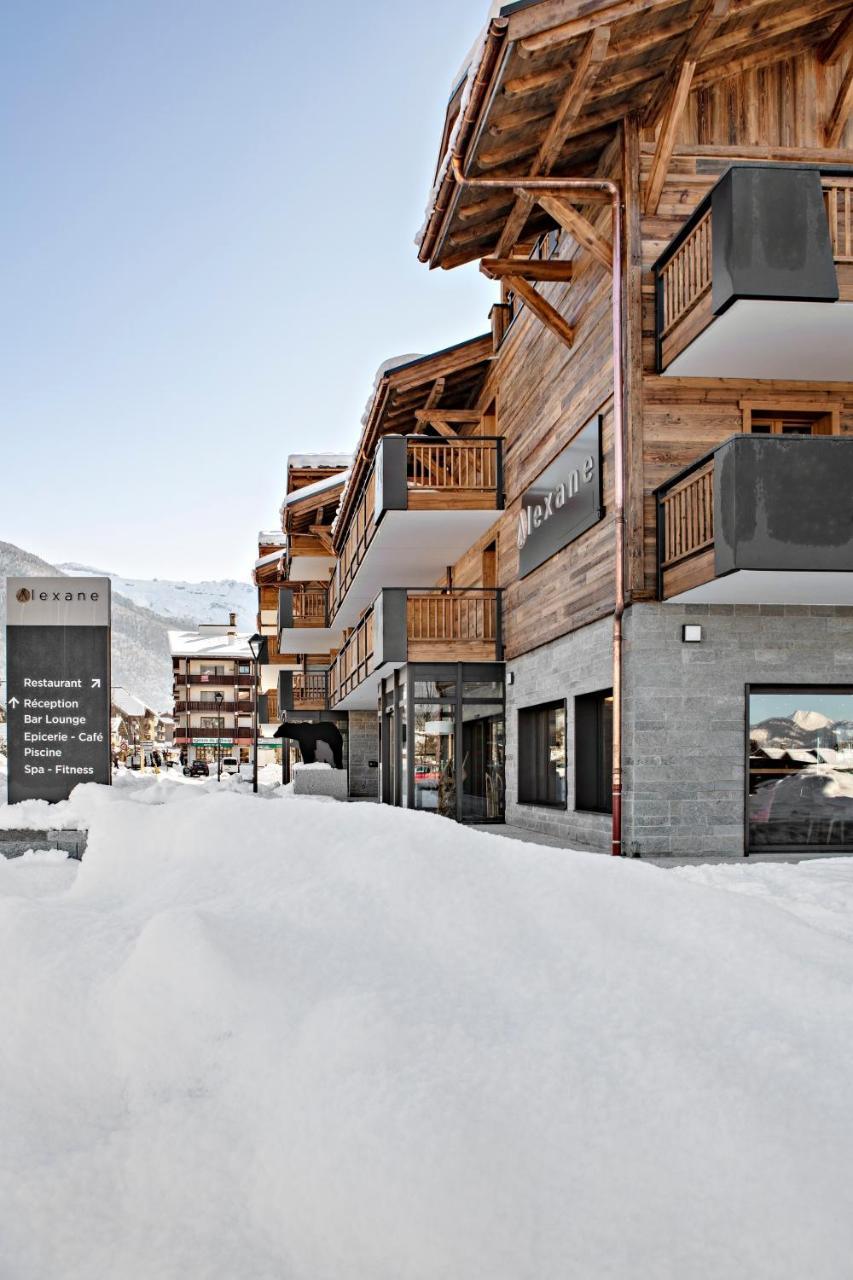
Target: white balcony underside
(791, 341)
(310, 639)
(754, 586)
(411, 549)
(311, 568)
(366, 696)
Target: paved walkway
(659, 860)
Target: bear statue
(308, 733)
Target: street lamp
(255, 643)
(217, 698)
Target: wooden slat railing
(452, 615)
(309, 607)
(457, 465)
(354, 662)
(838, 194)
(687, 276)
(358, 539)
(688, 516)
(309, 686)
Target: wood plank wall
(544, 393)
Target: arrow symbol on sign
(13, 702)
(96, 682)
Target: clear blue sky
(207, 234)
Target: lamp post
(217, 698)
(255, 643)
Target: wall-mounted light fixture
(691, 633)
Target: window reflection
(800, 768)
(434, 759)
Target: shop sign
(564, 502)
(58, 691)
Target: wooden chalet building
(592, 573)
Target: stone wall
(685, 714)
(363, 747)
(578, 663)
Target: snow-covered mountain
(200, 601)
(140, 649)
(802, 730)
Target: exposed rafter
(833, 47)
(527, 268)
(672, 94)
(841, 109)
(542, 309)
(579, 227)
(583, 78)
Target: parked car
(198, 769)
(230, 764)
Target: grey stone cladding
(363, 747)
(574, 664)
(684, 749)
(684, 724)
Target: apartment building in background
(591, 573)
(213, 686)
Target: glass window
(800, 768)
(482, 763)
(483, 690)
(542, 754)
(436, 690)
(434, 758)
(594, 751)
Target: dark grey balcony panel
(770, 237)
(392, 493)
(285, 608)
(784, 504)
(389, 626)
(285, 691)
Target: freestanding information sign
(58, 685)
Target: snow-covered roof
(319, 486)
(193, 644)
(268, 558)
(272, 538)
(308, 460)
(127, 703)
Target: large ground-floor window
(800, 767)
(594, 751)
(542, 754)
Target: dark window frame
(596, 697)
(553, 704)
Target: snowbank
(306, 1041)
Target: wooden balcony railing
(354, 662)
(441, 626)
(228, 708)
(687, 510)
(242, 733)
(309, 608)
(687, 275)
(244, 678)
(452, 466)
(440, 475)
(310, 687)
(838, 194)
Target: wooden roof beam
(542, 309)
(833, 47)
(527, 268)
(841, 109)
(435, 393)
(583, 78)
(578, 227)
(692, 47)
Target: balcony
(243, 734)
(425, 501)
(244, 679)
(759, 281)
(227, 708)
(303, 625)
(761, 520)
(414, 626)
(304, 690)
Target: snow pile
(311, 1041)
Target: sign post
(58, 685)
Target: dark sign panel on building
(58, 685)
(564, 502)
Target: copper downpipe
(613, 191)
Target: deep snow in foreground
(284, 1038)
